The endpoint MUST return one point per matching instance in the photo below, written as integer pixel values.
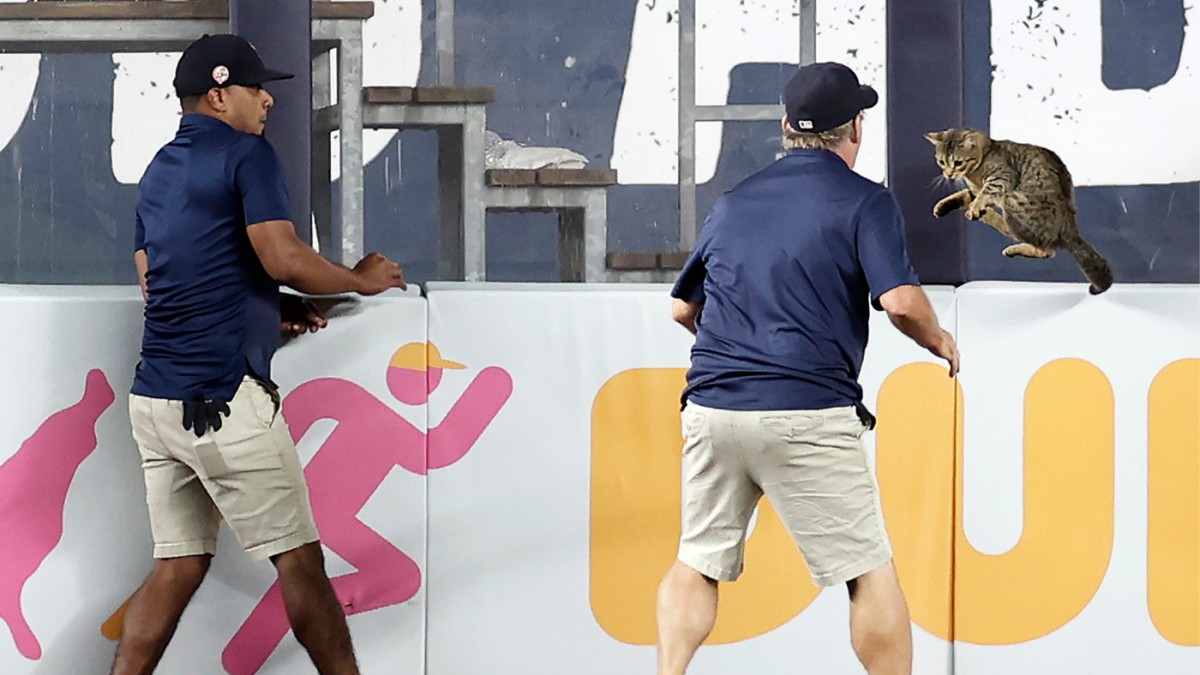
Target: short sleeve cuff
(904, 282)
(696, 295)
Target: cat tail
(1094, 266)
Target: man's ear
(856, 136)
(216, 99)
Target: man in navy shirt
(214, 242)
(777, 293)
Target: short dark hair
(189, 103)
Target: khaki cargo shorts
(247, 473)
(812, 467)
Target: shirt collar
(815, 154)
(201, 121)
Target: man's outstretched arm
(293, 263)
(909, 309)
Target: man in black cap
(777, 293)
(214, 241)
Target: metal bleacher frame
(643, 267)
(578, 197)
(139, 26)
(690, 113)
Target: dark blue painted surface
(66, 220)
(1142, 42)
(63, 217)
(1149, 233)
(925, 93)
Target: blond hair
(825, 140)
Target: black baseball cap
(822, 96)
(219, 61)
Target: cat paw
(975, 212)
(944, 207)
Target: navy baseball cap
(822, 96)
(220, 61)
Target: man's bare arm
(910, 311)
(685, 313)
(142, 263)
(292, 262)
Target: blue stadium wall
(561, 69)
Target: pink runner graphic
(33, 494)
(369, 440)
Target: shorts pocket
(691, 422)
(265, 402)
(791, 427)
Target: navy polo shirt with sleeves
(212, 316)
(784, 268)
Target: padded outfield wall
(495, 470)
(1111, 85)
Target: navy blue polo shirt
(213, 312)
(784, 268)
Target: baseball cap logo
(220, 74)
(804, 124)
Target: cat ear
(935, 137)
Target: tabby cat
(1023, 191)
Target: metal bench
(140, 26)
(579, 197)
(457, 115)
(466, 191)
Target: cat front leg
(978, 207)
(991, 193)
(955, 201)
(997, 222)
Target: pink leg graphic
(33, 494)
(368, 442)
(385, 577)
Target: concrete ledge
(428, 95)
(673, 260)
(633, 261)
(576, 177)
(443, 94)
(388, 94)
(563, 178)
(625, 260)
(510, 177)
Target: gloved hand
(200, 415)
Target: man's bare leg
(686, 611)
(154, 613)
(313, 610)
(879, 624)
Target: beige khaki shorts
(812, 467)
(247, 473)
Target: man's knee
(304, 561)
(879, 587)
(184, 572)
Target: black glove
(200, 415)
(865, 416)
